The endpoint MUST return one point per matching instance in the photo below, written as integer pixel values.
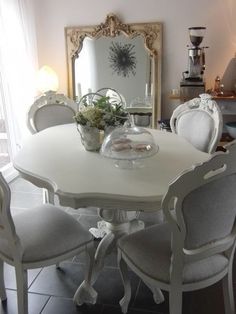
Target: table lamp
(47, 80)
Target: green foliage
(101, 114)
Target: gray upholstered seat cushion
(45, 232)
(150, 249)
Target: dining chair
(49, 110)
(113, 94)
(195, 247)
(140, 110)
(38, 237)
(199, 121)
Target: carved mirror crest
(125, 57)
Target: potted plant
(98, 116)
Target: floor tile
(17, 210)
(36, 303)
(74, 214)
(67, 306)
(110, 260)
(81, 258)
(205, 301)
(21, 185)
(144, 300)
(89, 221)
(107, 309)
(151, 218)
(109, 286)
(88, 211)
(10, 278)
(25, 200)
(4, 160)
(117, 310)
(61, 282)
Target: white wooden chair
(199, 121)
(140, 110)
(113, 94)
(49, 110)
(195, 247)
(39, 237)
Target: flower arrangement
(101, 113)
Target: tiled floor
(51, 290)
(4, 159)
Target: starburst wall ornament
(122, 59)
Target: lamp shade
(47, 79)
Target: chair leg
(86, 293)
(3, 295)
(175, 301)
(21, 284)
(124, 302)
(90, 255)
(228, 293)
(157, 294)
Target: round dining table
(55, 159)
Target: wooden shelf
(174, 97)
(226, 97)
(225, 138)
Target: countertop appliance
(192, 83)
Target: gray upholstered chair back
(197, 127)
(49, 110)
(199, 121)
(209, 212)
(51, 115)
(201, 206)
(7, 227)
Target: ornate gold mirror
(124, 57)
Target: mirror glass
(120, 63)
(124, 57)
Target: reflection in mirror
(124, 57)
(120, 63)
(113, 95)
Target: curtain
(18, 63)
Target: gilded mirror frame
(112, 27)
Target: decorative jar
(129, 146)
(91, 137)
(98, 116)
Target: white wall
(176, 15)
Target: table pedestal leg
(114, 219)
(117, 223)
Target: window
(17, 63)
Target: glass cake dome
(128, 146)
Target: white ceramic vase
(91, 137)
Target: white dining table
(55, 159)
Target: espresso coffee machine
(192, 83)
